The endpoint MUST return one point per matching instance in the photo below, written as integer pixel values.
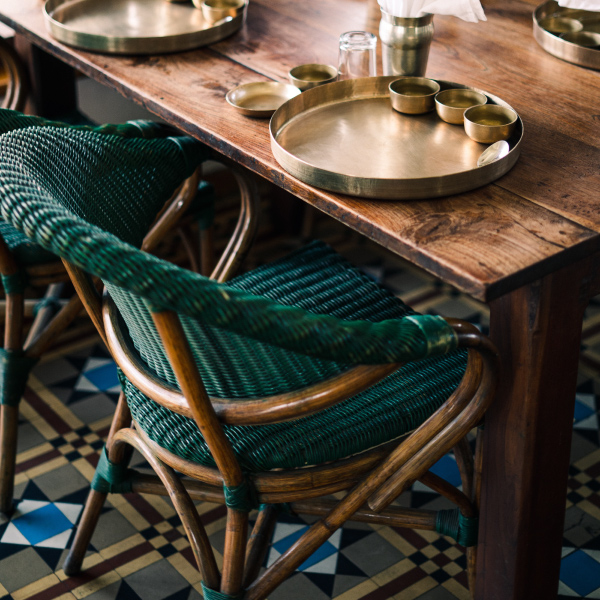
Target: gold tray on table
(551, 22)
(345, 137)
(135, 26)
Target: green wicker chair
(287, 384)
(25, 264)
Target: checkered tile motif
(139, 550)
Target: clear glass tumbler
(358, 55)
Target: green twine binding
(438, 335)
(15, 283)
(214, 595)
(241, 497)
(455, 525)
(111, 478)
(14, 372)
(52, 302)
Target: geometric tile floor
(139, 550)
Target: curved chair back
(15, 77)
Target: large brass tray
(345, 137)
(552, 42)
(134, 26)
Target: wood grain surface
(539, 217)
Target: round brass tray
(135, 26)
(345, 137)
(553, 44)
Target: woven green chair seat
(318, 280)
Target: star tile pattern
(139, 550)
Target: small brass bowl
(306, 77)
(215, 10)
(560, 25)
(260, 99)
(451, 104)
(489, 123)
(587, 39)
(413, 95)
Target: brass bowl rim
(424, 80)
(226, 4)
(491, 108)
(291, 90)
(324, 68)
(458, 92)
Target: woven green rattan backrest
(114, 176)
(72, 190)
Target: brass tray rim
(563, 49)
(139, 45)
(378, 188)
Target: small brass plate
(261, 98)
(553, 42)
(345, 137)
(134, 26)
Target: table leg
(527, 438)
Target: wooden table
(528, 245)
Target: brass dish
(413, 95)
(215, 10)
(489, 123)
(345, 137)
(261, 98)
(309, 76)
(555, 44)
(134, 26)
(450, 105)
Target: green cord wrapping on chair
(52, 302)
(111, 478)
(241, 497)
(15, 283)
(214, 595)
(455, 525)
(14, 372)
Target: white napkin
(581, 4)
(468, 10)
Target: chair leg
(14, 377)
(258, 543)
(236, 534)
(476, 493)
(87, 525)
(9, 422)
(94, 502)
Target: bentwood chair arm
(274, 409)
(173, 211)
(277, 408)
(442, 430)
(16, 91)
(244, 233)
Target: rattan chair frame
(369, 481)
